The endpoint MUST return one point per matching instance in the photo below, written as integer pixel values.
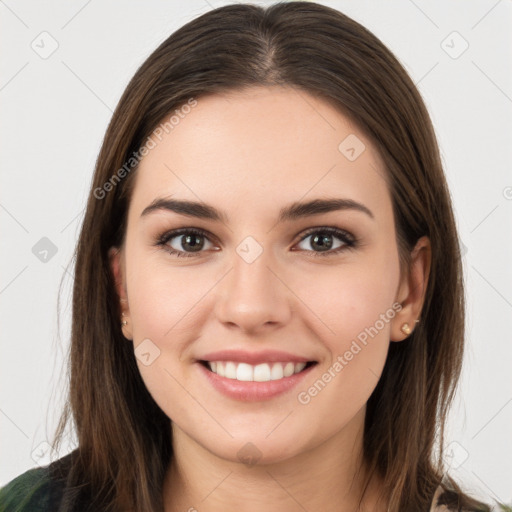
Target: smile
(263, 372)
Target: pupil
(189, 239)
(324, 241)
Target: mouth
(247, 376)
(262, 372)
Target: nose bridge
(251, 294)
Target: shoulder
(39, 488)
(29, 491)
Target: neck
(329, 477)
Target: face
(314, 289)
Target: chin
(258, 450)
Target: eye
(190, 238)
(187, 242)
(322, 240)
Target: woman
(268, 291)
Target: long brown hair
(124, 444)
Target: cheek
(345, 300)
(163, 301)
(164, 304)
(355, 306)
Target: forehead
(260, 148)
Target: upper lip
(266, 356)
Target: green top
(29, 492)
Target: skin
(250, 153)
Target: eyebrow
(291, 212)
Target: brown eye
(323, 244)
(183, 242)
(192, 242)
(188, 242)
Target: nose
(253, 297)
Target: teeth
(244, 372)
(258, 373)
(289, 369)
(277, 372)
(262, 373)
(230, 370)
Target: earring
(124, 322)
(405, 329)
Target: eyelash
(350, 242)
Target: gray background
(55, 109)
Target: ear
(117, 267)
(412, 289)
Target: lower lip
(248, 391)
